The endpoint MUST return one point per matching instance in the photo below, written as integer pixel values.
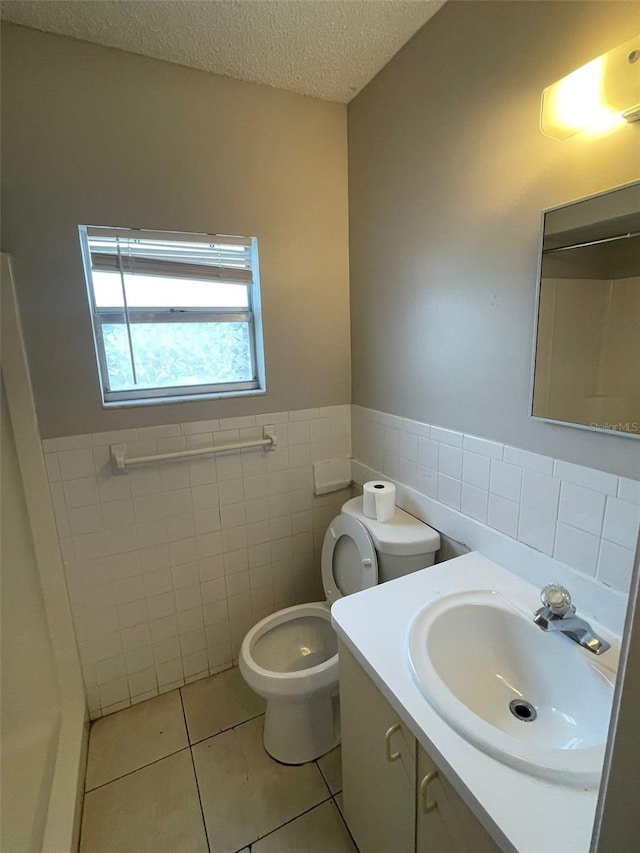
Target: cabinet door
(432, 835)
(445, 824)
(378, 765)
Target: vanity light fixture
(598, 97)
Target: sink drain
(523, 710)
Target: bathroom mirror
(586, 368)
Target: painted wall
(448, 173)
(99, 136)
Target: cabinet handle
(424, 785)
(391, 756)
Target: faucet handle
(557, 599)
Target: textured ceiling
(326, 48)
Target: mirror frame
(536, 316)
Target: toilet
(290, 658)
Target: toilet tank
(403, 545)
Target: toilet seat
(341, 573)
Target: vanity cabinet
(395, 798)
(444, 822)
(378, 765)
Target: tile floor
(186, 772)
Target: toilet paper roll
(379, 500)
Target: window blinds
(193, 256)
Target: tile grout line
(334, 794)
(135, 770)
(343, 819)
(169, 754)
(222, 731)
(324, 778)
(195, 773)
(287, 822)
(233, 727)
(329, 797)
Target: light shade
(599, 96)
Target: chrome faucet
(559, 614)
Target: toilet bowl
(290, 658)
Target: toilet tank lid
(403, 536)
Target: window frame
(252, 315)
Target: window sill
(186, 398)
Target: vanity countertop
(516, 808)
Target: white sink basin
(475, 654)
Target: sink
(533, 700)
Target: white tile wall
(538, 510)
(170, 564)
(585, 518)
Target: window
(174, 315)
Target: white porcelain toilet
(291, 657)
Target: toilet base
(299, 730)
